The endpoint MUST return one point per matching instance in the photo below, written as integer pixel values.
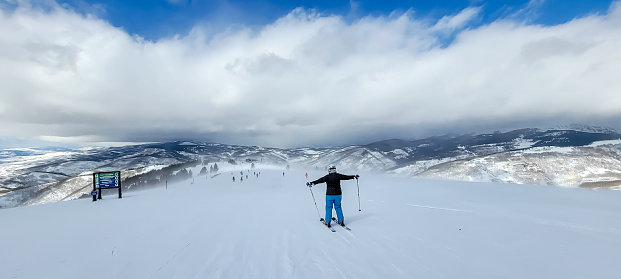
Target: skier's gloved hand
(309, 184)
(356, 176)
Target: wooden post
(95, 195)
(120, 186)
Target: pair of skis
(331, 228)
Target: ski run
(267, 227)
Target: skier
(333, 193)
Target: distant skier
(233, 178)
(333, 193)
(307, 175)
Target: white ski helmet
(332, 169)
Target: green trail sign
(105, 180)
(108, 179)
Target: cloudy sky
(302, 73)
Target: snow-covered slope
(55, 176)
(583, 156)
(267, 227)
(587, 167)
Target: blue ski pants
(336, 201)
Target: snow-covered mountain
(268, 227)
(581, 156)
(553, 157)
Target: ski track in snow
(267, 227)
(440, 208)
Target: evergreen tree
(203, 171)
(181, 175)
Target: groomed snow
(267, 227)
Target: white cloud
(304, 79)
(454, 22)
(530, 11)
(353, 5)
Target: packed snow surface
(268, 227)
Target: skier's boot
(327, 224)
(342, 224)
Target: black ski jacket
(333, 180)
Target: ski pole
(311, 190)
(358, 194)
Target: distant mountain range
(573, 156)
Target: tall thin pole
(319, 215)
(358, 194)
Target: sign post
(106, 180)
